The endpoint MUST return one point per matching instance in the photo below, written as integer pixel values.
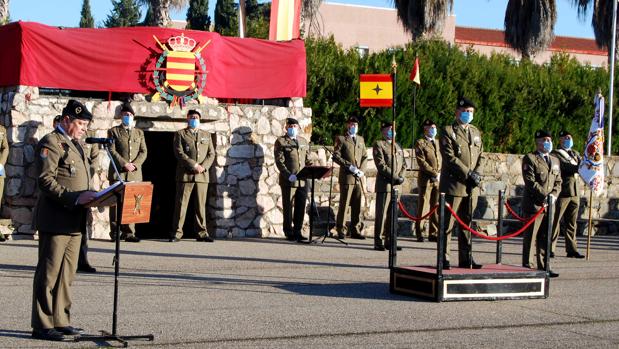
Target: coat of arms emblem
(184, 75)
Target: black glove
(399, 180)
(473, 179)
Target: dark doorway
(160, 169)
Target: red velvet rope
(474, 232)
(413, 218)
(513, 213)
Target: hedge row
(514, 98)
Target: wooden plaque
(137, 201)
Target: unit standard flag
(591, 168)
(415, 74)
(375, 90)
(285, 20)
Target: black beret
(564, 133)
(353, 119)
(76, 110)
(542, 134)
(386, 124)
(126, 107)
(193, 111)
(292, 121)
(464, 102)
(427, 122)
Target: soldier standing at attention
(569, 198)
(129, 153)
(350, 153)
(384, 164)
(60, 218)
(194, 152)
(542, 177)
(290, 157)
(429, 160)
(461, 149)
(4, 155)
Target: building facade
(371, 29)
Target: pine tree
(197, 15)
(87, 21)
(126, 13)
(226, 18)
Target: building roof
(494, 37)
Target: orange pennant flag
(415, 75)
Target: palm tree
(602, 21)
(309, 16)
(529, 25)
(423, 17)
(4, 11)
(158, 14)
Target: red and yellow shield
(180, 70)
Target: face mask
(547, 146)
(390, 134)
(292, 132)
(466, 117)
(432, 132)
(568, 143)
(193, 123)
(127, 120)
(352, 130)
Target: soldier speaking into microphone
(60, 217)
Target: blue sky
(470, 13)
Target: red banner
(123, 60)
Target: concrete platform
(273, 294)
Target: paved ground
(273, 294)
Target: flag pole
(414, 102)
(392, 233)
(589, 227)
(612, 78)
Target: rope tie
(505, 237)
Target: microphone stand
(328, 233)
(105, 335)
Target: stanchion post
(499, 231)
(441, 236)
(550, 217)
(393, 243)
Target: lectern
(313, 173)
(132, 201)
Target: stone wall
(500, 172)
(244, 196)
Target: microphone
(93, 140)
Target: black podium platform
(492, 282)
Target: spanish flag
(376, 90)
(285, 20)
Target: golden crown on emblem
(181, 43)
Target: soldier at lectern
(291, 155)
(194, 152)
(129, 153)
(60, 217)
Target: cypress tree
(197, 15)
(226, 18)
(86, 21)
(126, 13)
